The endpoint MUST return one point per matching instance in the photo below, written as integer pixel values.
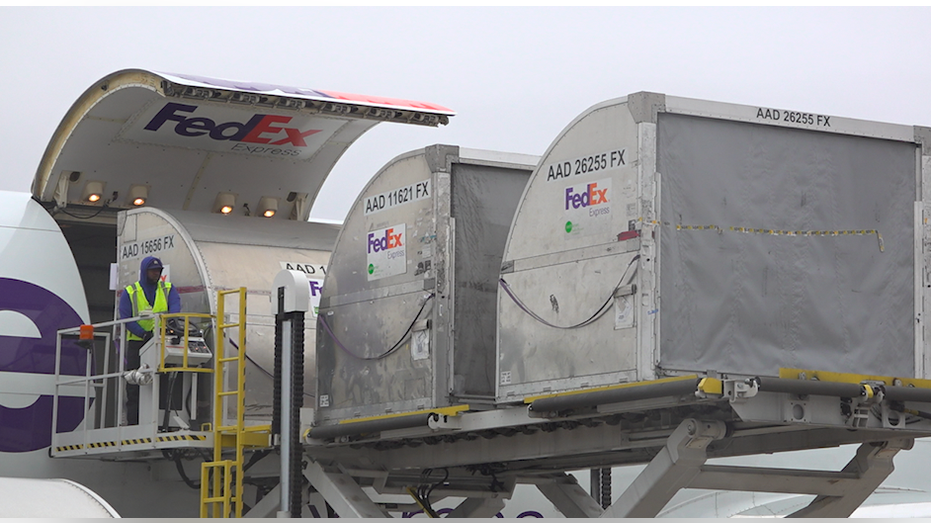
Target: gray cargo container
(410, 297)
(662, 236)
(205, 253)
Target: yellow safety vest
(141, 304)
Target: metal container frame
(416, 332)
(524, 342)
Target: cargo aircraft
(225, 173)
(231, 165)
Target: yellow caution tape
(777, 232)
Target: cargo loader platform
(673, 425)
(129, 443)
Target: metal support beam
(786, 481)
(872, 464)
(342, 493)
(570, 498)
(676, 465)
(478, 508)
(268, 505)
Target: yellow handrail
(224, 502)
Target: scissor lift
(672, 425)
(105, 435)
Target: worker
(151, 294)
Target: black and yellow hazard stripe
(140, 441)
(186, 437)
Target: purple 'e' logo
(30, 428)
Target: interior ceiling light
(268, 206)
(224, 203)
(138, 194)
(93, 191)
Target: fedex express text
(265, 134)
(589, 195)
(388, 242)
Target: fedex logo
(260, 129)
(387, 255)
(31, 316)
(590, 195)
(389, 241)
(316, 291)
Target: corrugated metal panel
(784, 239)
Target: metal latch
(739, 391)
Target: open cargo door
(178, 142)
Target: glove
(147, 337)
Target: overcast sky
(516, 77)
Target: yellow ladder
(217, 498)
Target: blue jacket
(126, 304)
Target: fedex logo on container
(316, 290)
(260, 129)
(390, 240)
(587, 195)
(386, 254)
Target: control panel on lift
(197, 350)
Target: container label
(585, 165)
(151, 247)
(587, 207)
(309, 268)
(623, 312)
(387, 200)
(813, 120)
(386, 252)
(420, 345)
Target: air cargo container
(662, 236)
(205, 253)
(406, 317)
